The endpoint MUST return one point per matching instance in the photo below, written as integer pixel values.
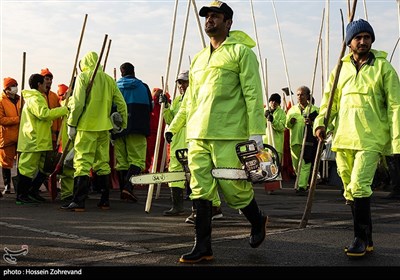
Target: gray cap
(184, 76)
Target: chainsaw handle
(247, 153)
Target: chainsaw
(257, 166)
(166, 177)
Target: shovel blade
(53, 182)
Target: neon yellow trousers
(204, 155)
(357, 170)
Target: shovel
(52, 184)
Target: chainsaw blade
(158, 178)
(229, 173)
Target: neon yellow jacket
(179, 140)
(297, 129)
(366, 106)
(36, 120)
(278, 128)
(224, 98)
(92, 112)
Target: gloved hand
(270, 118)
(163, 99)
(71, 132)
(267, 113)
(168, 136)
(259, 141)
(69, 159)
(116, 120)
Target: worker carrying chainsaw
(223, 105)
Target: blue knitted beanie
(356, 27)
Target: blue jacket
(138, 99)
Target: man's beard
(211, 30)
(363, 51)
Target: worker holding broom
(366, 111)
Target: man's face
(48, 80)
(43, 87)
(182, 86)
(302, 97)
(361, 43)
(273, 105)
(215, 24)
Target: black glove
(168, 136)
(267, 113)
(270, 118)
(163, 99)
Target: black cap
(275, 97)
(219, 7)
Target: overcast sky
(141, 32)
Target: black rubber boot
(93, 186)
(121, 179)
(202, 246)
(177, 203)
(362, 227)
(104, 184)
(14, 180)
(370, 245)
(35, 186)
(81, 190)
(7, 180)
(394, 171)
(127, 192)
(258, 223)
(23, 185)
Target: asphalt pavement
(42, 239)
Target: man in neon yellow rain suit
(222, 106)
(366, 105)
(178, 143)
(276, 118)
(34, 138)
(88, 125)
(174, 165)
(297, 118)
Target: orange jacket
(9, 120)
